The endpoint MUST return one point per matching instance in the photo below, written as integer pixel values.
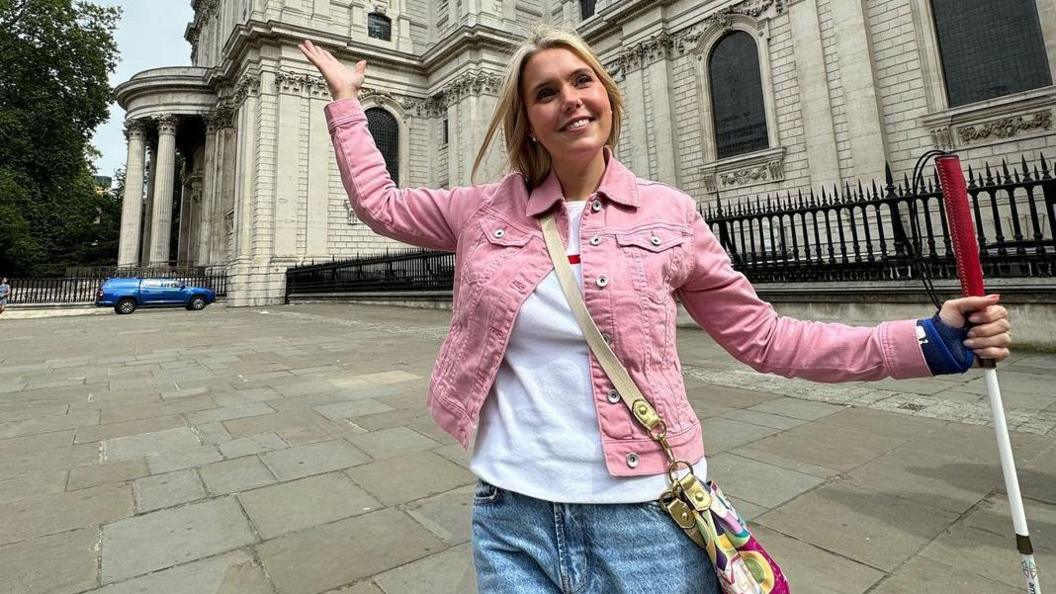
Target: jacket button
(654, 240)
(596, 205)
(500, 233)
(603, 281)
(614, 397)
(632, 460)
(595, 240)
(606, 338)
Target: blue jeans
(530, 546)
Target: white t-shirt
(538, 432)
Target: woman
(566, 500)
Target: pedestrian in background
(5, 293)
(566, 500)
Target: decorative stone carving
(248, 85)
(1006, 127)
(353, 219)
(288, 82)
(221, 116)
(167, 124)
(760, 168)
(134, 129)
(468, 84)
(942, 137)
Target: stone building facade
(723, 98)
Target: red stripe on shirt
(574, 259)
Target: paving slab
(231, 573)
(185, 458)
(758, 482)
(50, 514)
(389, 443)
(59, 564)
(342, 552)
(448, 572)
(924, 576)
(231, 476)
(114, 472)
(297, 462)
(166, 490)
(162, 539)
(815, 570)
(254, 444)
(409, 477)
(447, 515)
(32, 485)
(307, 502)
(875, 529)
(149, 444)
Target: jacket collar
(618, 184)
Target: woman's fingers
(989, 314)
(999, 326)
(995, 353)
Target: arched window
(386, 132)
(990, 48)
(737, 96)
(379, 26)
(586, 8)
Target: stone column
(132, 202)
(207, 220)
(161, 219)
(148, 201)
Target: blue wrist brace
(944, 348)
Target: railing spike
(1044, 165)
(989, 174)
(1004, 171)
(1026, 168)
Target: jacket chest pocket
(656, 255)
(496, 250)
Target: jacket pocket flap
(654, 240)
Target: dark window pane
(737, 96)
(445, 131)
(379, 26)
(990, 48)
(586, 8)
(386, 133)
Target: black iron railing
(847, 235)
(830, 236)
(410, 270)
(80, 285)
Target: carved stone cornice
(1006, 127)
(666, 45)
(471, 83)
(167, 124)
(134, 129)
(301, 84)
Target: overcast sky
(149, 35)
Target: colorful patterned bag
(707, 517)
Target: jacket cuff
(343, 111)
(902, 354)
(943, 347)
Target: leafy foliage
(54, 92)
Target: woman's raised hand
(344, 82)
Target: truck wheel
(196, 304)
(125, 306)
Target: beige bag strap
(642, 410)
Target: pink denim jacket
(643, 246)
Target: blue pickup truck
(127, 294)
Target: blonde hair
(523, 156)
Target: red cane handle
(959, 217)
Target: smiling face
(567, 106)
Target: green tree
(54, 92)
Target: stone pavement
(288, 450)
